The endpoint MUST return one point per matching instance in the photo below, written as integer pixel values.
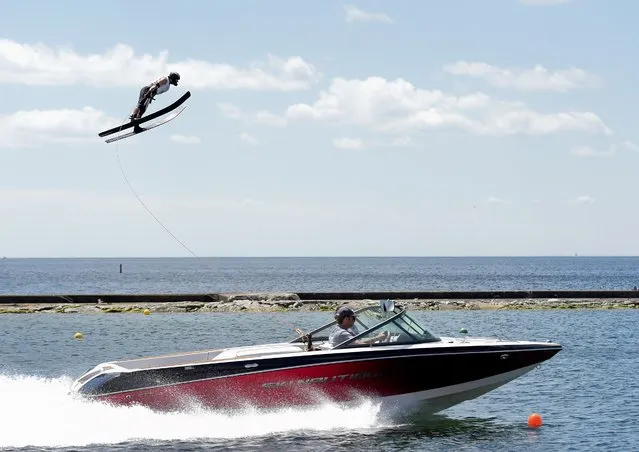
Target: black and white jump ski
(153, 125)
(136, 124)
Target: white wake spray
(39, 412)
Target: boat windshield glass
(401, 330)
(372, 321)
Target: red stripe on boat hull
(341, 382)
(298, 386)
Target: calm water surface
(212, 275)
(587, 394)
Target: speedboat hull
(436, 376)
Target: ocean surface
(309, 274)
(587, 394)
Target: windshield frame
(398, 317)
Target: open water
(587, 394)
(308, 274)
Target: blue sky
(322, 128)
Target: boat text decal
(324, 380)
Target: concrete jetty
(316, 301)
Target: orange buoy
(534, 420)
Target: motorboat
(408, 366)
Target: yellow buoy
(147, 311)
(78, 335)
(534, 420)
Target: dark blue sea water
(587, 394)
(212, 275)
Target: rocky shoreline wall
(290, 302)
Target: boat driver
(346, 328)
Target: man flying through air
(148, 92)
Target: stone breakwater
(290, 302)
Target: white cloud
(401, 142)
(365, 101)
(261, 117)
(529, 122)
(610, 151)
(585, 199)
(249, 139)
(39, 64)
(537, 78)
(37, 127)
(544, 2)
(183, 139)
(230, 110)
(587, 151)
(270, 119)
(354, 14)
(398, 106)
(630, 146)
(358, 143)
(348, 143)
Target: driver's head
(344, 313)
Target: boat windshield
(398, 326)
